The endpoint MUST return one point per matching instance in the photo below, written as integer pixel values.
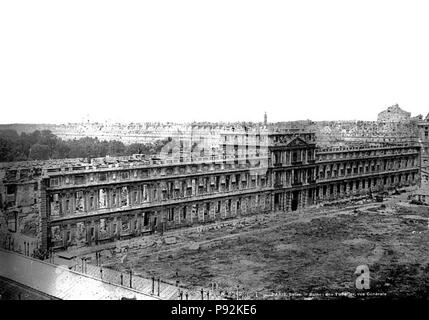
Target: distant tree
(116, 148)
(61, 150)
(35, 136)
(137, 148)
(41, 145)
(6, 150)
(49, 139)
(9, 134)
(39, 152)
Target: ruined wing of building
(64, 204)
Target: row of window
(363, 154)
(126, 175)
(297, 176)
(342, 169)
(364, 184)
(80, 201)
(293, 156)
(127, 224)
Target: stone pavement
(61, 282)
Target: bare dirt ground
(312, 254)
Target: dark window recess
(11, 222)
(11, 189)
(11, 174)
(24, 174)
(171, 215)
(79, 179)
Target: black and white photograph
(215, 154)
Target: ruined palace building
(207, 173)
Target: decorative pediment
(297, 142)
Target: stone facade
(423, 138)
(394, 114)
(330, 133)
(255, 170)
(21, 197)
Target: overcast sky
(137, 61)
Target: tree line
(44, 145)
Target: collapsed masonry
(394, 114)
(421, 196)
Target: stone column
(139, 194)
(109, 198)
(304, 198)
(222, 209)
(233, 207)
(73, 234)
(212, 213)
(73, 202)
(200, 212)
(118, 222)
(62, 200)
(128, 196)
(192, 213)
(178, 213)
(85, 201)
(96, 199)
(284, 204)
(96, 224)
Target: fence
(155, 286)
